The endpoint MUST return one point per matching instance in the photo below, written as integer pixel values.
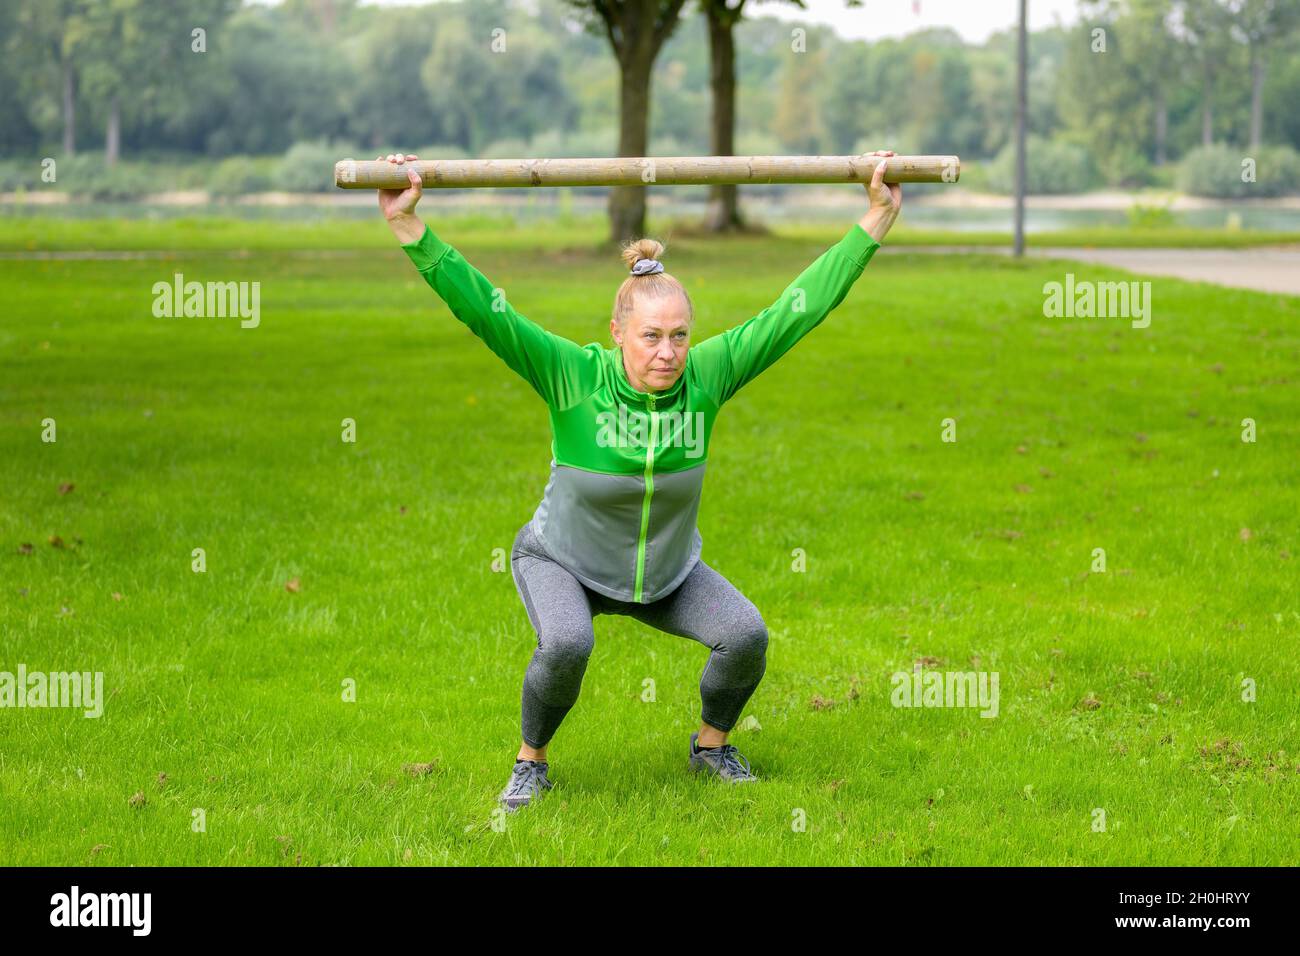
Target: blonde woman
(615, 531)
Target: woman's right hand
(398, 205)
(401, 202)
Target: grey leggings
(705, 607)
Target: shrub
(1278, 171)
(755, 143)
(510, 148)
(1213, 171)
(880, 139)
(1150, 217)
(1217, 171)
(1163, 177)
(974, 175)
(308, 167)
(239, 176)
(86, 176)
(1052, 166)
(1126, 168)
(19, 174)
(436, 151)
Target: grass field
(234, 236)
(1119, 691)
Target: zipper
(645, 504)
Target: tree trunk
(1256, 96)
(636, 32)
(1162, 124)
(723, 213)
(1207, 116)
(69, 109)
(113, 134)
(627, 203)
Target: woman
(615, 531)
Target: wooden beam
(643, 171)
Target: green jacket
(627, 466)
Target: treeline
(1118, 99)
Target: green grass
(223, 235)
(1071, 435)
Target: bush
(672, 146)
(239, 176)
(1053, 167)
(754, 143)
(881, 139)
(974, 175)
(1278, 171)
(591, 142)
(19, 174)
(436, 151)
(1151, 217)
(187, 172)
(86, 177)
(1127, 169)
(1213, 171)
(1164, 177)
(511, 148)
(1217, 171)
(308, 167)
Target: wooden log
(643, 171)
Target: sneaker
(527, 780)
(726, 761)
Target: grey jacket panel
(590, 523)
(673, 543)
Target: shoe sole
(518, 801)
(698, 766)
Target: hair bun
(635, 251)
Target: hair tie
(646, 267)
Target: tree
(1203, 25)
(637, 30)
(1148, 45)
(482, 84)
(291, 72)
(388, 60)
(1262, 23)
(44, 46)
(1112, 97)
(797, 121)
(721, 18)
(720, 21)
(135, 54)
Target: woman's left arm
(727, 362)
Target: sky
(975, 20)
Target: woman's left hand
(886, 199)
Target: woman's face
(654, 340)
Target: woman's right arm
(560, 371)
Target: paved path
(1264, 268)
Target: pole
(1022, 63)
(643, 171)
